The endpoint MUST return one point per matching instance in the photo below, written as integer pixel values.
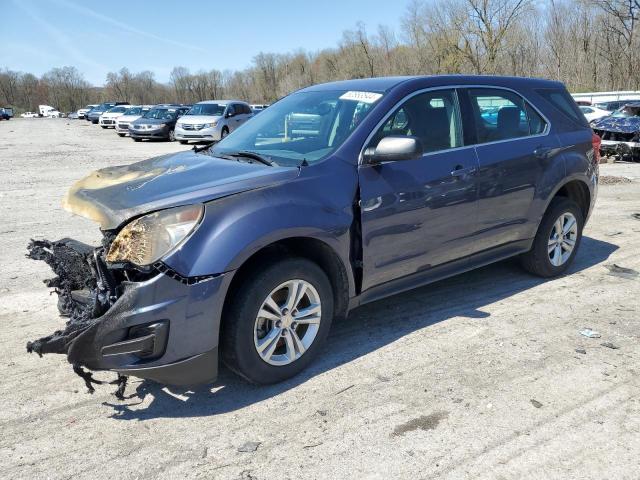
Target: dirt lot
(474, 377)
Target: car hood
(111, 115)
(129, 118)
(618, 124)
(195, 119)
(113, 195)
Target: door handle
(543, 152)
(460, 171)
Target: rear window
(564, 103)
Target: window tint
(246, 109)
(501, 115)
(432, 117)
(231, 110)
(564, 103)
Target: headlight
(212, 124)
(147, 239)
(157, 126)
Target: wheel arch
(577, 190)
(313, 249)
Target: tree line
(590, 45)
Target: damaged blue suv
(337, 195)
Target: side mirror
(228, 114)
(393, 149)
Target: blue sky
(98, 37)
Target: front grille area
(108, 122)
(195, 126)
(615, 136)
(123, 125)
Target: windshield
(134, 111)
(117, 110)
(210, 109)
(161, 113)
(627, 111)
(305, 126)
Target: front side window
(502, 115)
(302, 127)
(432, 117)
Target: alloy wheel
(287, 322)
(562, 239)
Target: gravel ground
(481, 376)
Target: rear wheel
(277, 322)
(557, 240)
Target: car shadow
(367, 329)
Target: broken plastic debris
(610, 345)
(536, 403)
(581, 350)
(587, 332)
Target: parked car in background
(132, 113)
(212, 120)
(48, 111)
(593, 113)
(620, 133)
(6, 113)
(108, 118)
(29, 115)
(158, 123)
(95, 113)
(83, 111)
(247, 250)
(255, 108)
(73, 115)
(614, 105)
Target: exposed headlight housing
(147, 239)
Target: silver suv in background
(212, 120)
(82, 113)
(131, 114)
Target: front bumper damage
(151, 324)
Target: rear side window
(564, 103)
(502, 115)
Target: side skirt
(440, 272)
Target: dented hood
(113, 195)
(618, 124)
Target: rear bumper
(164, 328)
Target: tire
(539, 260)
(224, 133)
(172, 136)
(137, 139)
(121, 134)
(104, 127)
(183, 142)
(240, 332)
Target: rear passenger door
(514, 149)
(237, 119)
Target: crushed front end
(147, 322)
(620, 134)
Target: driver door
(419, 213)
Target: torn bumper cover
(158, 326)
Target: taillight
(596, 141)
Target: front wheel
(121, 134)
(172, 136)
(183, 142)
(137, 139)
(277, 322)
(557, 240)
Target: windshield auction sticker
(365, 97)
